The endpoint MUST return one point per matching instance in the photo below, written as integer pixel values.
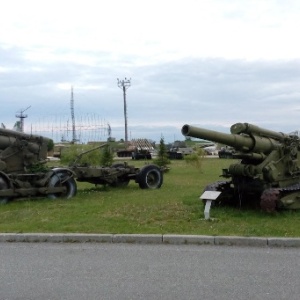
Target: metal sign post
(209, 196)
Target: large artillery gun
(118, 174)
(23, 172)
(268, 174)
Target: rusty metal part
(269, 200)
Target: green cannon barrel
(255, 130)
(244, 143)
(34, 143)
(8, 137)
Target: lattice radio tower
(124, 85)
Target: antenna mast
(109, 131)
(124, 85)
(22, 117)
(73, 117)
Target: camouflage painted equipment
(20, 150)
(268, 174)
(118, 175)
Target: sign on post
(209, 196)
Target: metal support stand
(207, 209)
(209, 196)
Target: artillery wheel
(150, 177)
(121, 181)
(62, 179)
(3, 186)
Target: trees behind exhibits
(105, 155)
(162, 159)
(102, 156)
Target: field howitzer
(23, 172)
(268, 174)
(19, 150)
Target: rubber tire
(150, 177)
(70, 183)
(3, 185)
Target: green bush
(50, 145)
(195, 159)
(75, 153)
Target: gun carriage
(119, 174)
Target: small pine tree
(50, 145)
(17, 126)
(162, 159)
(107, 157)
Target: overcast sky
(209, 63)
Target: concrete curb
(169, 239)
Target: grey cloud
(213, 93)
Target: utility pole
(124, 85)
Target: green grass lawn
(174, 208)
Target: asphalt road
(132, 271)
